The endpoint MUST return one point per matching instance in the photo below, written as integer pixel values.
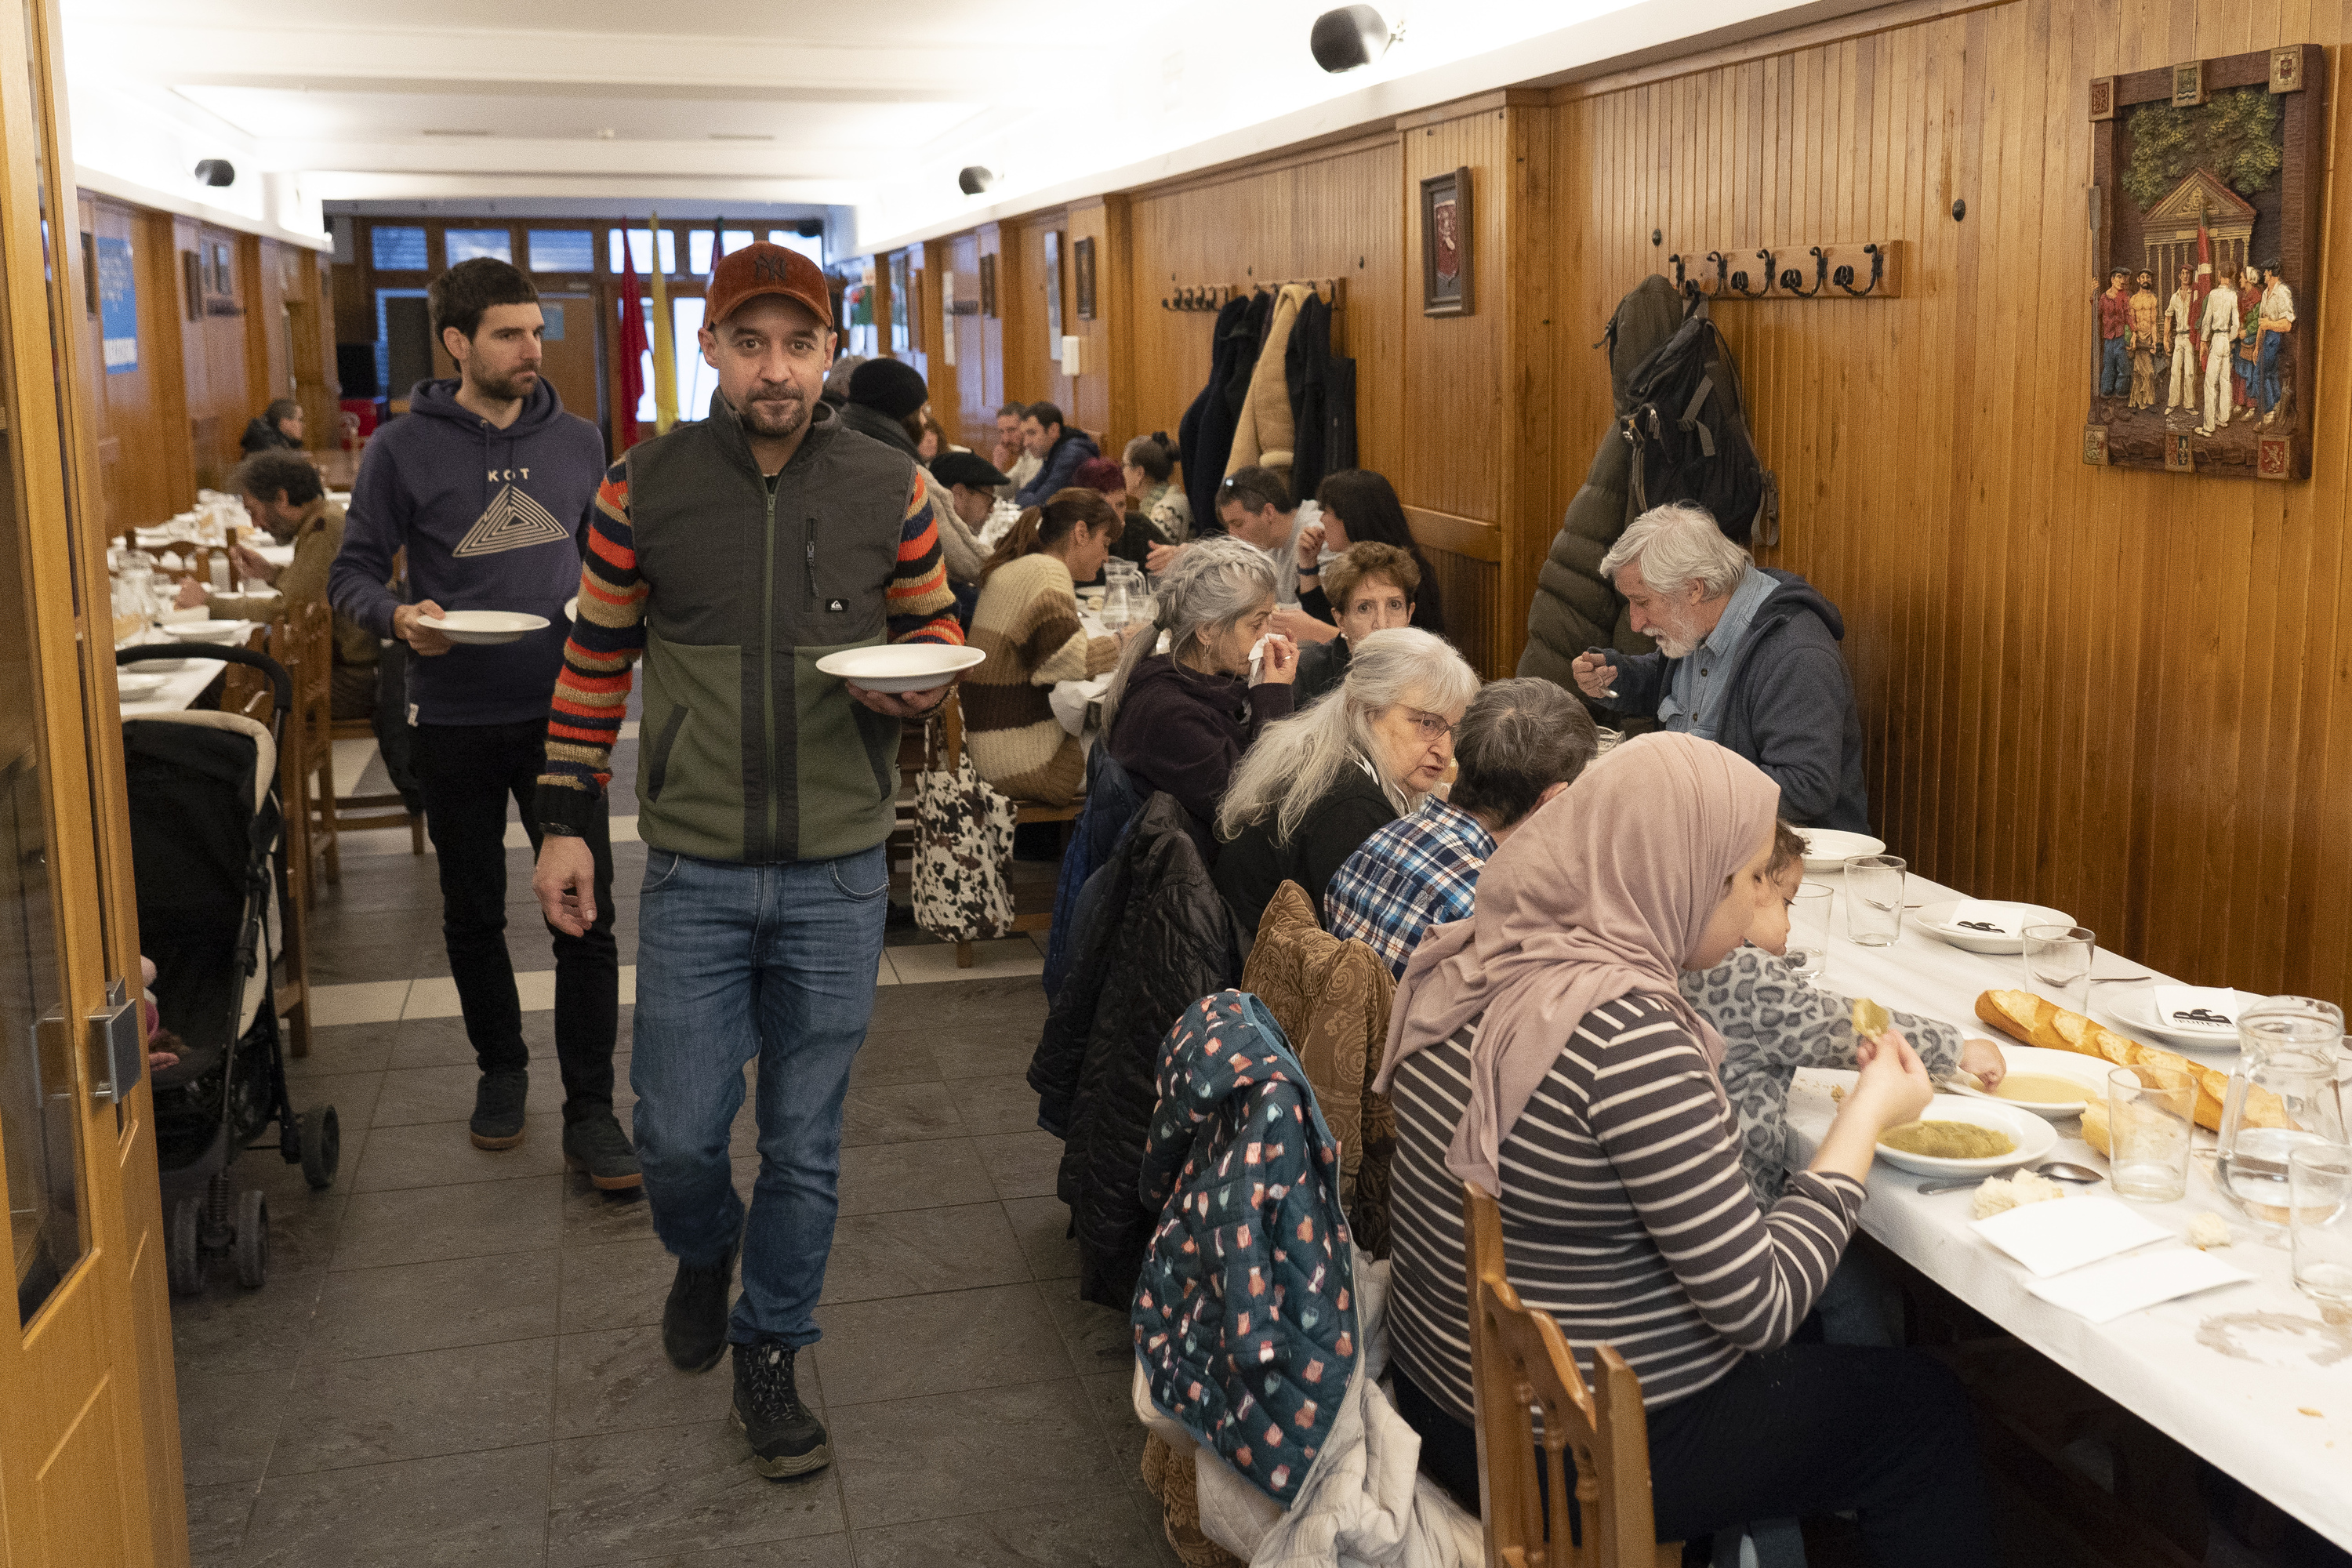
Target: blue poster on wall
(118, 306)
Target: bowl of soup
(1966, 1135)
(2051, 1084)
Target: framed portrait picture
(988, 286)
(1445, 244)
(1083, 260)
(1054, 295)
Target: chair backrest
(1519, 1364)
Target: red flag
(633, 349)
(2202, 284)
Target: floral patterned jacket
(1245, 1316)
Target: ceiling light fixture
(217, 172)
(974, 179)
(1351, 35)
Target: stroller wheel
(183, 1255)
(252, 1247)
(322, 1145)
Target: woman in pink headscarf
(1542, 1049)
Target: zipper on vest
(768, 673)
(810, 526)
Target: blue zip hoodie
(491, 520)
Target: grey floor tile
(304, 1222)
(817, 1552)
(412, 1095)
(434, 1306)
(1106, 1531)
(993, 1051)
(897, 1113)
(625, 1495)
(230, 1333)
(227, 1426)
(950, 1007)
(590, 1217)
(1021, 1164)
(910, 1346)
(454, 1510)
(615, 1285)
(436, 1153)
(473, 1219)
(442, 1042)
(352, 1094)
(1027, 1447)
(924, 1175)
(1100, 1338)
(991, 1106)
(380, 1408)
(1044, 1226)
(216, 1520)
(901, 1056)
(912, 1251)
(616, 1380)
(343, 1049)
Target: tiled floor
(457, 1359)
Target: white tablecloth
(181, 686)
(2272, 1414)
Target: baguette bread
(2038, 1021)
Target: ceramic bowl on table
(136, 688)
(2034, 1138)
(2084, 1078)
(1828, 849)
(2133, 1006)
(207, 631)
(482, 629)
(902, 667)
(1936, 921)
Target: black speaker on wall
(355, 368)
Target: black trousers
(1807, 1429)
(468, 773)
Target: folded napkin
(2197, 1009)
(2053, 1237)
(2107, 1291)
(1987, 919)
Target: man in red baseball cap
(729, 556)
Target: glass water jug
(2284, 1093)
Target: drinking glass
(2058, 963)
(1874, 900)
(2149, 1112)
(1808, 930)
(2319, 1197)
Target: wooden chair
(359, 813)
(944, 745)
(1518, 1363)
(311, 648)
(247, 692)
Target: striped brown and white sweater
(1027, 623)
(1625, 1214)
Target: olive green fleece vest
(746, 750)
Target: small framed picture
(1082, 260)
(988, 286)
(1445, 260)
(1054, 295)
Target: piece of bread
(2095, 1124)
(2039, 1021)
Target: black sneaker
(694, 1322)
(786, 1438)
(596, 1144)
(498, 1110)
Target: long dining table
(2248, 1376)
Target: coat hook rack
(1689, 273)
(1793, 281)
(1843, 276)
(1739, 278)
(1205, 298)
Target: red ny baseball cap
(764, 268)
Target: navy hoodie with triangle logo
(491, 521)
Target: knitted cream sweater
(1026, 622)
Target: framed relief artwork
(988, 286)
(1082, 255)
(1054, 295)
(1445, 244)
(2205, 220)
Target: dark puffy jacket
(1204, 437)
(1112, 801)
(1575, 608)
(1159, 940)
(1060, 470)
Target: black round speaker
(1350, 36)
(974, 179)
(217, 172)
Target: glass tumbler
(2319, 1199)
(2058, 963)
(2149, 1112)
(1874, 900)
(1808, 930)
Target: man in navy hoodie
(487, 484)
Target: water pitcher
(2289, 1049)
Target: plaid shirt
(1416, 872)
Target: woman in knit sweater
(1027, 624)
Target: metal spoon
(2056, 1170)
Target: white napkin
(2178, 1006)
(2050, 1239)
(1975, 915)
(2108, 1290)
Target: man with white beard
(1748, 657)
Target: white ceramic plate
(2033, 1136)
(137, 688)
(207, 631)
(1826, 848)
(2133, 1006)
(902, 665)
(2090, 1073)
(481, 627)
(1936, 921)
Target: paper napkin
(2107, 1291)
(2050, 1239)
(1987, 919)
(2197, 1009)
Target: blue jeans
(2266, 371)
(2115, 367)
(736, 962)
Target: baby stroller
(207, 850)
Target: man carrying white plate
(487, 484)
(730, 556)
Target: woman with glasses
(1314, 787)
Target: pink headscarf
(1602, 892)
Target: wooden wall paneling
(973, 415)
(936, 331)
(1103, 392)
(1003, 333)
(1031, 373)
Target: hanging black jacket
(1205, 438)
(1322, 401)
(1157, 938)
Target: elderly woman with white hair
(1748, 656)
(1315, 787)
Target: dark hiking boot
(694, 1322)
(786, 1438)
(498, 1110)
(596, 1144)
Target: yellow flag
(665, 351)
